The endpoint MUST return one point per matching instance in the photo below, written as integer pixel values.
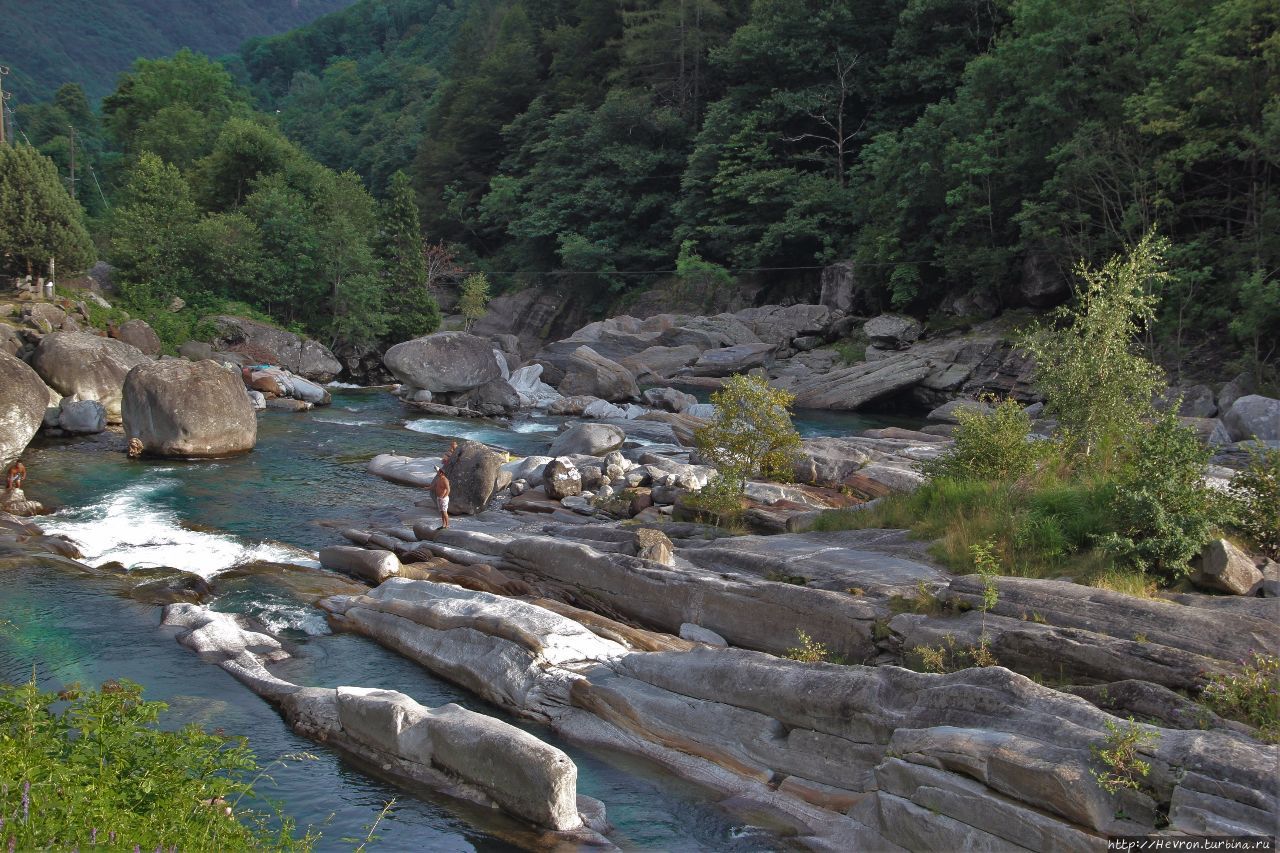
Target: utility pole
(4, 97)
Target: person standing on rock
(440, 488)
(18, 473)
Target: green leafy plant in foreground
(1119, 756)
(85, 768)
(1255, 495)
(1251, 697)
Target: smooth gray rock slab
(589, 439)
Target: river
(272, 506)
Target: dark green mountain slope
(51, 42)
(355, 88)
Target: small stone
(698, 634)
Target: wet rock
(561, 479)
(138, 333)
(473, 471)
(587, 440)
(16, 503)
(190, 410)
(1226, 568)
(445, 362)
(23, 400)
(82, 417)
(372, 566)
(87, 367)
(590, 373)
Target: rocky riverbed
(580, 592)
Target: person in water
(17, 474)
(440, 488)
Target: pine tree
(412, 311)
(40, 221)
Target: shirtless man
(17, 473)
(440, 488)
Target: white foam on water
(345, 423)
(533, 426)
(129, 528)
(282, 616)
(342, 385)
(454, 429)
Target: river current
(277, 505)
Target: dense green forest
(51, 42)
(947, 146)
(953, 149)
(203, 198)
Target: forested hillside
(51, 42)
(962, 152)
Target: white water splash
(128, 527)
(533, 426)
(343, 385)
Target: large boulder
(892, 331)
(446, 362)
(268, 345)
(23, 400)
(139, 334)
(1254, 416)
(587, 440)
(590, 373)
(1226, 568)
(493, 398)
(473, 470)
(730, 360)
(190, 410)
(82, 417)
(669, 399)
(87, 367)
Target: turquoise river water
(270, 506)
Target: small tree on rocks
(475, 298)
(751, 433)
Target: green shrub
(1251, 697)
(79, 769)
(1255, 499)
(1119, 756)
(1162, 511)
(1093, 377)
(751, 433)
(990, 445)
(809, 650)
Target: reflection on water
(267, 506)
